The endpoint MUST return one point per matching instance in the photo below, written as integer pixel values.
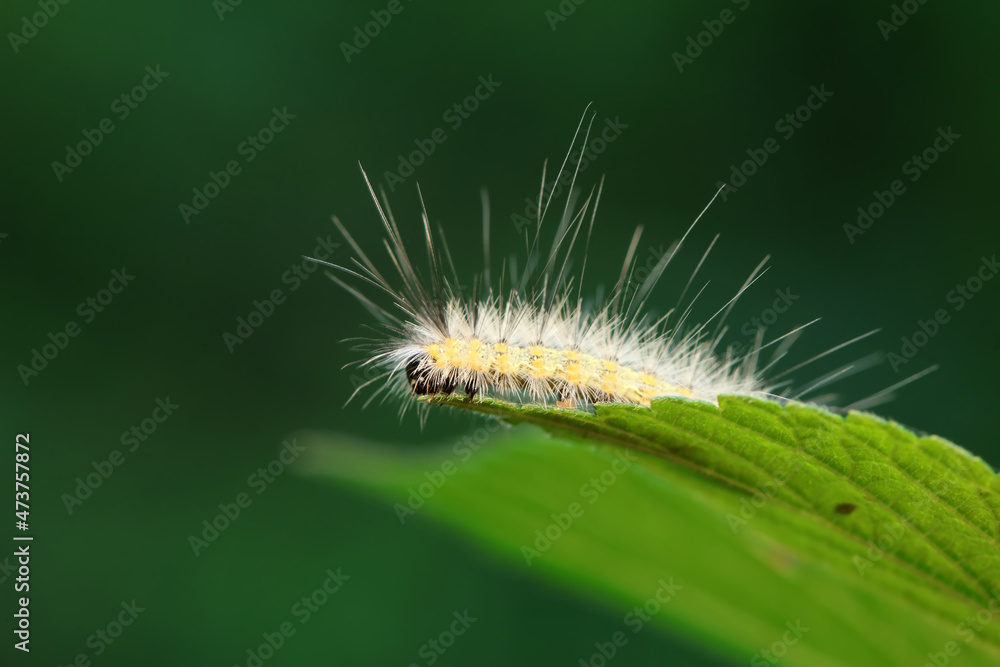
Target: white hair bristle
(536, 340)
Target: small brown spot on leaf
(846, 508)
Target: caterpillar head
(424, 379)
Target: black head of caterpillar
(423, 379)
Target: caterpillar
(532, 337)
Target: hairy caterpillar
(533, 337)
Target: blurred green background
(226, 68)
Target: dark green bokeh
(162, 336)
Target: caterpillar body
(531, 336)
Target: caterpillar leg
(471, 389)
(563, 402)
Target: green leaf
(883, 544)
